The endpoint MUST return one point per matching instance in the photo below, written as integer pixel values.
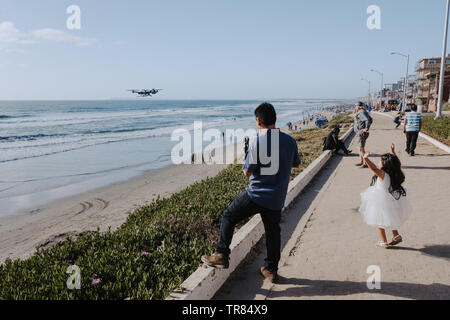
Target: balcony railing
(424, 66)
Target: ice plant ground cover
(437, 128)
(152, 253)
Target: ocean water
(54, 149)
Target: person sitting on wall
(332, 142)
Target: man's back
(413, 121)
(269, 191)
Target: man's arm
(297, 161)
(364, 119)
(335, 139)
(250, 164)
(247, 173)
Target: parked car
(392, 104)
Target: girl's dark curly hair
(391, 165)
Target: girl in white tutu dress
(385, 204)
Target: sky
(211, 49)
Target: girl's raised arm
(378, 172)
(393, 149)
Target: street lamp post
(382, 83)
(405, 89)
(442, 76)
(368, 97)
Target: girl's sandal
(384, 245)
(396, 240)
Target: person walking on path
(265, 194)
(413, 125)
(385, 204)
(361, 127)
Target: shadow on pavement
(313, 288)
(426, 168)
(439, 251)
(432, 155)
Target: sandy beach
(105, 207)
(102, 208)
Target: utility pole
(382, 83)
(405, 89)
(442, 76)
(368, 98)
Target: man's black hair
(414, 107)
(266, 113)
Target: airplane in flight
(145, 92)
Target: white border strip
(437, 143)
(205, 282)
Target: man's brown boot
(217, 260)
(271, 276)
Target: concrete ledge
(433, 141)
(437, 143)
(205, 282)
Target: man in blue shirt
(413, 125)
(268, 164)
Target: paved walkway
(328, 248)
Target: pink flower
(96, 281)
(198, 194)
(144, 253)
(189, 206)
(94, 275)
(127, 298)
(123, 249)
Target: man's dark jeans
(341, 146)
(411, 141)
(241, 208)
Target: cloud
(9, 34)
(60, 36)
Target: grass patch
(446, 107)
(438, 129)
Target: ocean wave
(58, 132)
(30, 137)
(4, 116)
